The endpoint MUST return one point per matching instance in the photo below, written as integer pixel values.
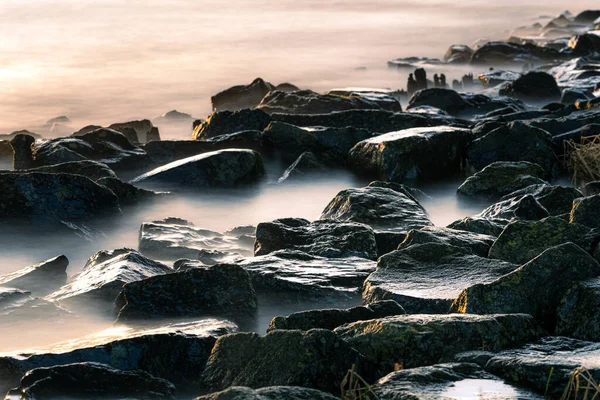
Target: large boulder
(226, 122)
(501, 178)
(585, 44)
(484, 226)
(241, 96)
(222, 290)
(534, 86)
(577, 315)
(334, 317)
(419, 340)
(535, 288)
(585, 211)
(325, 238)
(458, 54)
(268, 393)
(144, 130)
(379, 207)
(38, 278)
(411, 154)
(523, 208)
(224, 168)
(424, 278)
(103, 276)
(557, 200)
(85, 380)
(316, 359)
(515, 141)
(476, 243)
(507, 54)
(521, 241)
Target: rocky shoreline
(503, 304)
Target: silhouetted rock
(226, 122)
(535, 86)
(38, 278)
(241, 96)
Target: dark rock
(575, 135)
(525, 208)
(175, 116)
(535, 86)
(38, 278)
(88, 168)
(268, 393)
(322, 238)
(144, 129)
(535, 288)
(224, 168)
(476, 243)
(521, 241)
(127, 193)
(502, 53)
(387, 99)
(585, 211)
(570, 96)
(332, 318)
(315, 359)
(82, 380)
(222, 289)
(577, 314)
(591, 188)
(501, 178)
(585, 44)
(557, 200)
(515, 141)
(424, 278)
(411, 154)
(306, 164)
(420, 340)
(587, 16)
(103, 276)
(484, 226)
(458, 54)
(241, 96)
(226, 122)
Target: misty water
(107, 61)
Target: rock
(484, 226)
(535, 288)
(41, 198)
(503, 53)
(241, 96)
(332, 318)
(534, 86)
(309, 102)
(175, 117)
(306, 164)
(224, 168)
(10, 136)
(39, 277)
(177, 352)
(501, 178)
(420, 340)
(545, 366)
(525, 208)
(222, 289)
(557, 200)
(379, 207)
(458, 54)
(88, 168)
(331, 144)
(226, 122)
(570, 96)
(585, 211)
(103, 277)
(170, 239)
(515, 141)
(521, 241)
(145, 131)
(424, 278)
(577, 315)
(127, 193)
(268, 393)
(82, 380)
(447, 381)
(576, 136)
(11, 296)
(585, 44)
(322, 238)
(587, 16)
(475, 243)
(315, 359)
(411, 154)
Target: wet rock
(535, 288)
(576, 135)
(501, 178)
(306, 164)
(88, 168)
(82, 380)
(331, 144)
(585, 211)
(222, 289)
(524, 208)
(545, 366)
(227, 122)
(420, 340)
(484, 226)
(144, 129)
(127, 193)
(515, 141)
(173, 239)
(424, 278)
(458, 54)
(411, 154)
(177, 352)
(557, 200)
(521, 241)
(224, 168)
(503, 53)
(535, 86)
(379, 207)
(322, 238)
(476, 243)
(241, 96)
(268, 393)
(585, 44)
(38, 278)
(332, 318)
(577, 315)
(41, 198)
(103, 277)
(315, 359)
(309, 102)
(570, 96)
(447, 381)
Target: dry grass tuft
(583, 159)
(354, 387)
(582, 386)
